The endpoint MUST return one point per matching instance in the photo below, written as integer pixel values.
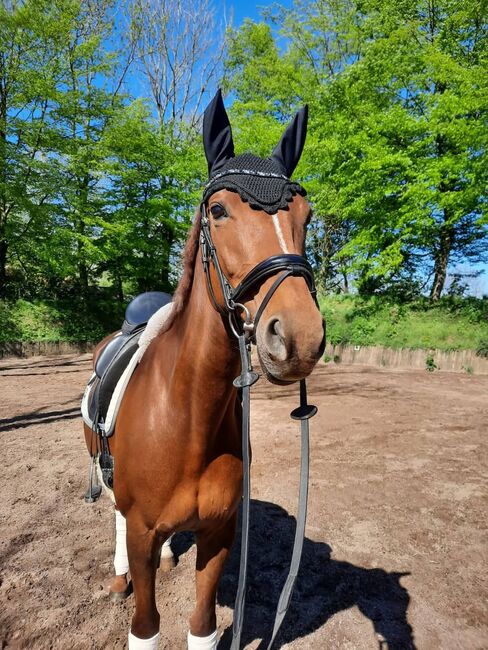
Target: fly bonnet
(263, 183)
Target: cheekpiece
(258, 181)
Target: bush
(68, 320)
(430, 364)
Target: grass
(68, 320)
(450, 324)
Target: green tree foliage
(30, 37)
(396, 160)
(93, 190)
(55, 107)
(84, 107)
(153, 188)
(97, 190)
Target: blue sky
(242, 9)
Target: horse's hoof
(167, 563)
(120, 596)
(117, 596)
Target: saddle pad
(86, 413)
(153, 327)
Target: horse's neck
(201, 343)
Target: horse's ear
(217, 134)
(289, 149)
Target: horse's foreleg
(143, 551)
(213, 547)
(119, 587)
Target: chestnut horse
(177, 442)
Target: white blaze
(279, 233)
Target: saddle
(116, 355)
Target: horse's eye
(218, 212)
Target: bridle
(286, 265)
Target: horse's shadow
(324, 586)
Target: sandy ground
(396, 549)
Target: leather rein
(287, 265)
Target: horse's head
(256, 219)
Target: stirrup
(94, 489)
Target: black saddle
(117, 353)
(140, 310)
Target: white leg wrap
(121, 561)
(166, 548)
(203, 642)
(143, 644)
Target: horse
(177, 450)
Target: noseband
(285, 265)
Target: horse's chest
(220, 488)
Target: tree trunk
(83, 275)
(167, 242)
(3, 182)
(83, 202)
(118, 286)
(82, 267)
(3, 266)
(441, 260)
(446, 232)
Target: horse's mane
(182, 293)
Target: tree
(30, 34)
(179, 71)
(83, 109)
(56, 100)
(91, 187)
(172, 39)
(397, 146)
(147, 202)
(412, 123)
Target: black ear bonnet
(264, 183)
(258, 181)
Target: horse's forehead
(298, 206)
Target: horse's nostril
(275, 339)
(276, 327)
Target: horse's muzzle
(289, 345)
